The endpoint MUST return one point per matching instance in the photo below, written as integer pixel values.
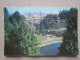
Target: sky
(25, 10)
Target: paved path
(48, 41)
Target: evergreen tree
(6, 24)
(21, 39)
(69, 46)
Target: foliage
(67, 14)
(50, 22)
(58, 33)
(47, 21)
(19, 39)
(69, 46)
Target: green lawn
(58, 38)
(40, 38)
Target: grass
(58, 38)
(40, 38)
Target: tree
(42, 30)
(63, 14)
(6, 14)
(69, 46)
(6, 24)
(48, 22)
(21, 39)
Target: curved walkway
(48, 41)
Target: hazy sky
(24, 10)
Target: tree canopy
(69, 46)
(19, 38)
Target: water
(50, 50)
